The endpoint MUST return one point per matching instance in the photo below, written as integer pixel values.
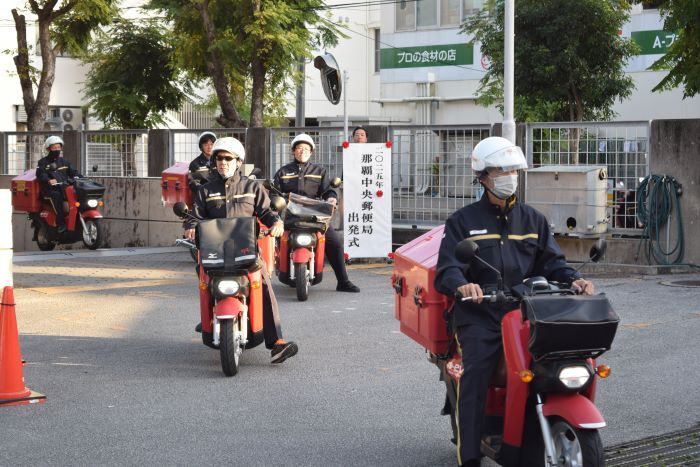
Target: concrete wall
(134, 217)
(675, 151)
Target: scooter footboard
(576, 409)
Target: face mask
(54, 154)
(504, 187)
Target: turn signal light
(202, 286)
(603, 371)
(526, 376)
(100, 203)
(255, 285)
(77, 204)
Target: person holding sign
(304, 178)
(359, 135)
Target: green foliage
(569, 57)
(682, 58)
(72, 32)
(277, 33)
(132, 80)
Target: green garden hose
(658, 206)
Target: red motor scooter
(540, 407)
(230, 284)
(301, 249)
(82, 220)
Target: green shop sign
(653, 42)
(427, 55)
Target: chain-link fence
(23, 150)
(621, 147)
(184, 144)
(116, 153)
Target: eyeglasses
(224, 158)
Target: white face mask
(229, 169)
(504, 186)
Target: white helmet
(303, 138)
(497, 152)
(52, 140)
(206, 136)
(231, 145)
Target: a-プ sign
(367, 200)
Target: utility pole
(508, 72)
(345, 103)
(300, 117)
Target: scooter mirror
(336, 182)
(267, 185)
(94, 168)
(180, 209)
(598, 250)
(278, 203)
(255, 173)
(466, 251)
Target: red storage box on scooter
(26, 192)
(174, 184)
(418, 306)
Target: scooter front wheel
(575, 447)
(92, 234)
(230, 346)
(302, 281)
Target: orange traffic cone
(12, 389)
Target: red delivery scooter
(301, 250)
(540, 407)
(230, 285)
(82, 220)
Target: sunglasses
(224, 158)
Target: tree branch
(22, 62)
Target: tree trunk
(229, 117)
(258, 75)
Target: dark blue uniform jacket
(517, 242)
(307, 179)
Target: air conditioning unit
(65, 118)
(21, 114)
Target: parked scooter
(540, 408)
(83, 197)
(230, 285)
(301, 250)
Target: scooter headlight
(574, 377)
(303, 239)
(92, 203)
(228, 287)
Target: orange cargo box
(174, 184)
(26, 192)
(419, 308)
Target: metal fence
(184, 144)
(23, 150)
(623, 147)
(116, 153)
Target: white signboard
(367, 199)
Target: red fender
(283, 258)
(92, 214)
(228, 308)
(576, 409)
(301, 255)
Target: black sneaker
(61, 229)
(347, 286)
(283, 350)
(198, 328)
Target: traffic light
(331, 79)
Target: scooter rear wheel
(230, 346)
(42, 239)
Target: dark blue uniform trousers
(481, 350)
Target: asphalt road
(110, 340)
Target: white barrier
(5, 238)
